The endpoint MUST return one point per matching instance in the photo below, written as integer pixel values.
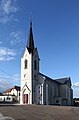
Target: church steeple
(30, 42)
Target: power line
(5, 72)
(9, 76)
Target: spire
(30, 22)
(30, 42)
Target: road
(39, 112)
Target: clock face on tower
(26, 76)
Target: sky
(56, 35)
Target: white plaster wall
(28, 71)
(5, 97)
(14, 92)
(8, 93)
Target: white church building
(37, 88)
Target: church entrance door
(25, 98)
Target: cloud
(16, 77)
(4, 84)
(7, 10)
(5, 19)
(7, 80)
(8, 7)
(17, 37)
(75, 84)
(7, 54)
(75, 87)
(76, 93)
(6, 76)
(0, 42)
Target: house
(6, 98)
(14, 92)
(37, 88)
(76, 101)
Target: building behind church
(37, 88)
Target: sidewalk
(7, 103)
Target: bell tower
(29, 71)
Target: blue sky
(56, 35)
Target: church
(37, 88)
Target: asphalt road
(39, 112)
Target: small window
(8, 98)
(0, 98)
(24, 75)
(34, 76)
(25, 62)
(35, 65)
(57, 101)
(19, 93)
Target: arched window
(24, 75)
(25, 62)
(35, 65)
